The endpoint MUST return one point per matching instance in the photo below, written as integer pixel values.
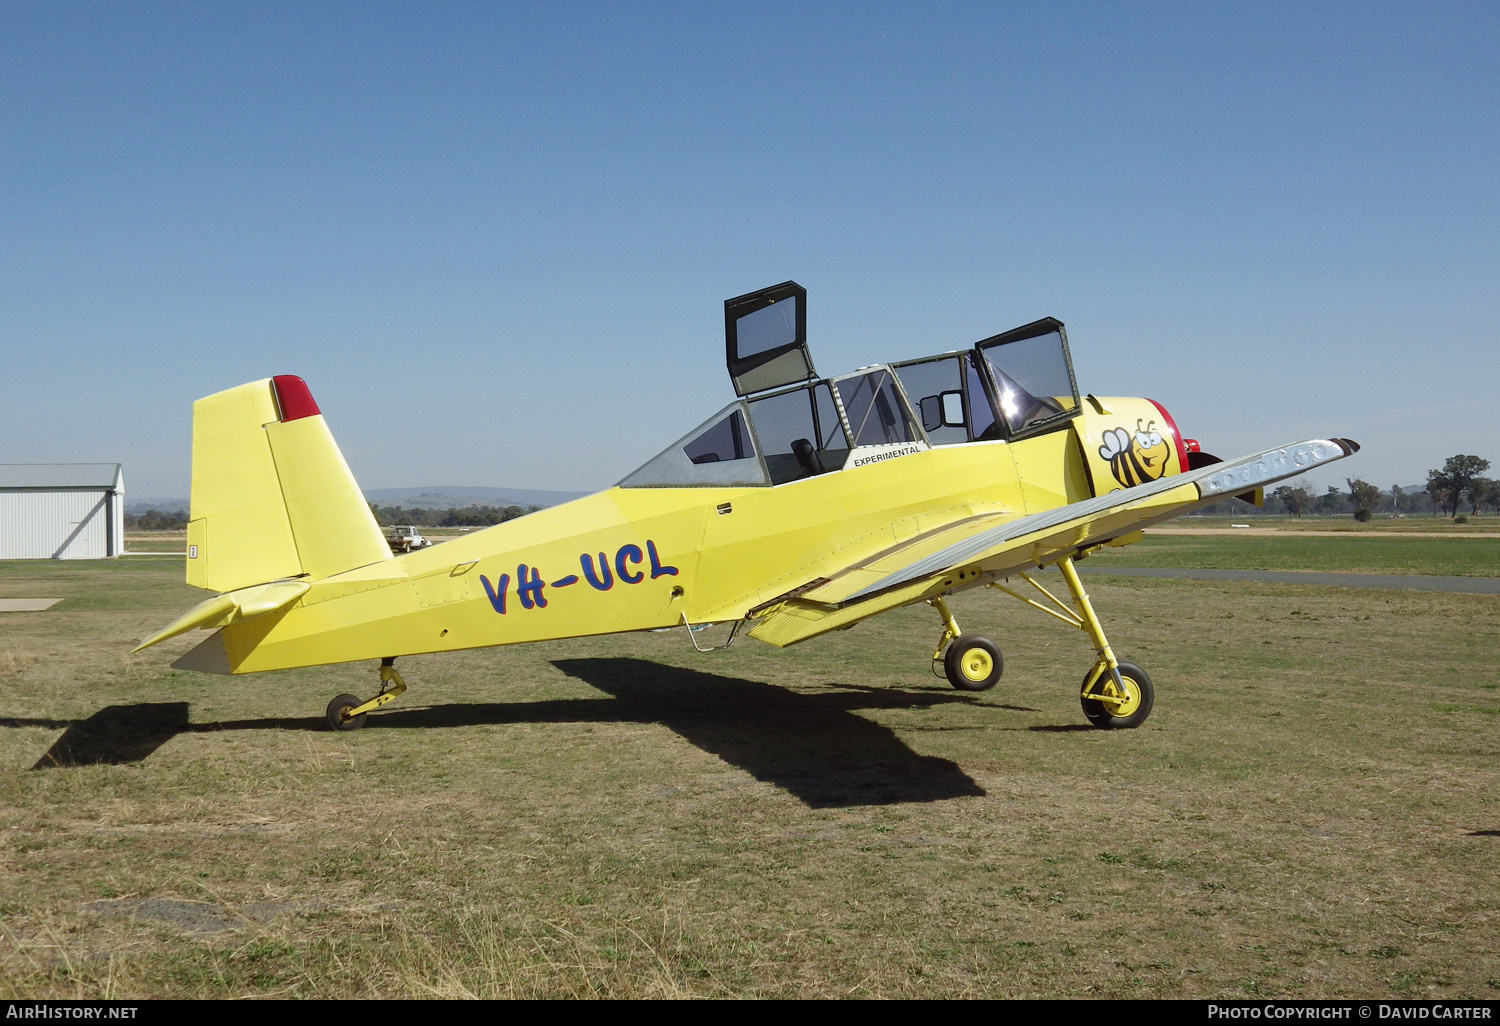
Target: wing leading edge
(965, 554)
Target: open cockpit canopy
(765, 338)
(789, 424)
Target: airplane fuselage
(640, 558)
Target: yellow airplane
(807, 505)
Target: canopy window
(799, 432)
(765, 338)
(721, 451)
(1032, 376)
(950, 398)
(876, 409)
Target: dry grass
(1478, 556)
(1312, 811)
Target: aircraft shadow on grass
(813, 746)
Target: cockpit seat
(807, 457)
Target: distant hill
(138, 506)
(444, 496)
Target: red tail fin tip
(293, 398)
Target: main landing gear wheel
(1132, 711)
(973, 663)
(339, 708)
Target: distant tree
(1440, 488)
(1396, 494)
(1363, 495)
(1231, 507)
(1296, 500)
(388, 516)
(155, 520)
(1453, 481)
(453, 516)
(481, 516)
(1483, 492)
(1331, 501)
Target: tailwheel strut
(971, 663)
(1115, 695)
(347, 712)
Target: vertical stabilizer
(272, 496)
(238, 530)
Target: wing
(985, 548)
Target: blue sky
(495, 239)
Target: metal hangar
(61, 510)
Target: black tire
(973, 663)
(1135, 678)
(341, 705)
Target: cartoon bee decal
(1138, 458)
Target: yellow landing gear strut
(971, 663)
(1115, 695)
(347, 712)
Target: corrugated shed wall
(56, 524)
(116, 524)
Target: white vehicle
(405, 538)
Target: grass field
(1313, 809)
(1458, 557)
(1345, 524)
(1387, 547)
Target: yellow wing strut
(1105, 676)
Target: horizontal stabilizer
(233, 607)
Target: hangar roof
(30, 476)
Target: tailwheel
(339, 710)
(1108, 708)
(973, 663)
(347, 712)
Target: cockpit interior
(788, 424)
